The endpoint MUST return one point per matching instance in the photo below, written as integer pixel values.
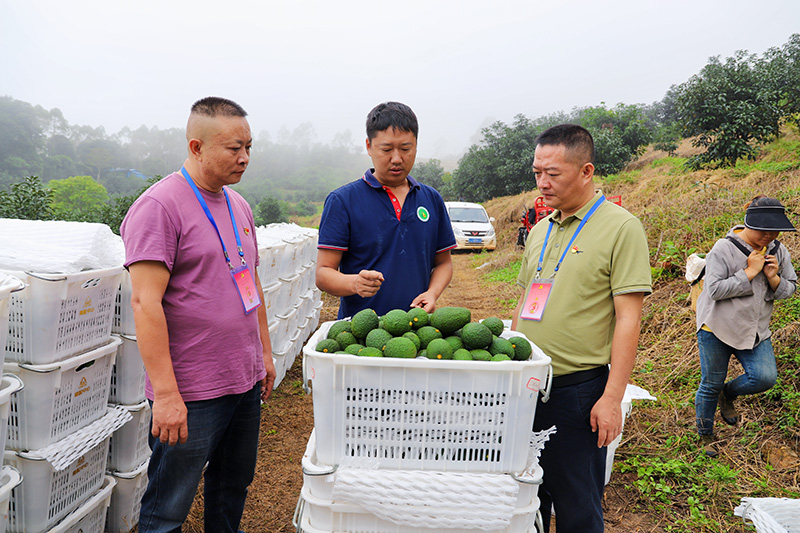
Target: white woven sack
(694, 265)
(57, 246)
(771, 515)
(430, 499)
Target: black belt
(579, 377)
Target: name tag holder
(539, 290)
(241, 276)
(535, 302)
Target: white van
(472, 226)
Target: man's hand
(368, 283)
(426, 300)
(606, 420)
(169, 419)
(269, 380)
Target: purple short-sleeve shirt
(215, 348)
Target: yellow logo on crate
(81, 465)
(82, 387)
(87, 306)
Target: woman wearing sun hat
(745, 273)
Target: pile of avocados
(447, 333)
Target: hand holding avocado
(368, 282)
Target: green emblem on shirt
(423, 214)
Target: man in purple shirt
(192, 254)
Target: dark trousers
(574, 467)
(222, 432)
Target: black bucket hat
(768, 218)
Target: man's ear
(587, 171)
(195, 148)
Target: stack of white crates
(10, 384)
(129, 448)
(287, 270)
(419, 445)
(59, 344)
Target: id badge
(536, 300)
(246, 288)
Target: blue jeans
(574, 467)
(759, 375)
(223, 432)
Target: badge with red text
(536, 300)
(246, 288)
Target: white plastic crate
(61, 315)
(319, 515)
(422, 414)
(9, 385)
(632, 392)
(9, 480)
(126, 501)
(319, 477)
(283, 330)
(289, 295)
(280, 360)
(123, 312)
(128, 375)
(296, 346)
(129, 446)
(91, 516)
(8, 285)
(771, 515)
(46, 496)
(269, 261)
(59, 398)
(305, 331)
(292, 259)
(315, 316)
(271, 302)
(305, 304)
(308, 276)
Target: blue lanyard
(204, 205)
(580, 227)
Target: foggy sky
(458, 64)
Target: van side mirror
(491, 219)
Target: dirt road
(288, 420)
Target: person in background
(385, 239)
(585, 270)
(745, 273)
(191, 250)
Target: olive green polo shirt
(609, 257)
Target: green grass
(507, 274)
(674, 165)
(785, 312)
(622, 177)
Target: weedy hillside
(659, 468)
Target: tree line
(52, 169)
(729, 109)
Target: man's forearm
(624, 344)
(153, 341)
(441, 275)
(334, 282)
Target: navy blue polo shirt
(360, 220)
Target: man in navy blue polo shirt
(385, 239)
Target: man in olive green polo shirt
(585, 272)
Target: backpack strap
(742, 248)
(745, 251)
(699, 277)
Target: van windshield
(467, 214)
